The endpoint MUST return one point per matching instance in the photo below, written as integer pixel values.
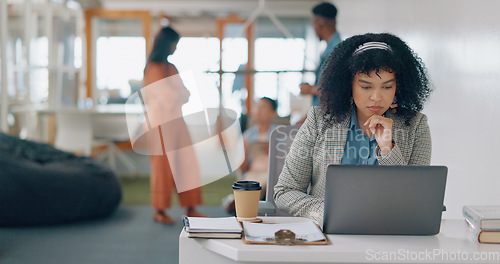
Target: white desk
(452, 245)
(40, 130)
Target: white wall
(459, 41)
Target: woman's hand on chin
(381, 127)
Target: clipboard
(287, 238)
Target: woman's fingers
(375, 120)
(381, 127)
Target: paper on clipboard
(255, 232)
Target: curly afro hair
(335, 83)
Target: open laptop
(384, 200)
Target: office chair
(109, 129)
(279, 144)
(74, 132)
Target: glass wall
(195, 57)
(119, 60)
(278, 63)
(283, 59)
(120, 57)
(44, 44)
(44, 59)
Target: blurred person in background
(256, 141)
(164, 98)
(325, 25)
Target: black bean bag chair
(40, 185)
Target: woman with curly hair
(372, 89)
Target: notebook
(204, 227)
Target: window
(116, 53)
(282, 59)
(198, 56)
(277, 67)
(118, 60)
(43, 54)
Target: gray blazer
(319, 143)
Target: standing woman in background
(164, 98)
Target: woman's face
(373, 93)
(263, 112)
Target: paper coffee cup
(246, 199)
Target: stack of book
(204, 227)
(484, 222)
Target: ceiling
(175, 8)
(192, 8)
